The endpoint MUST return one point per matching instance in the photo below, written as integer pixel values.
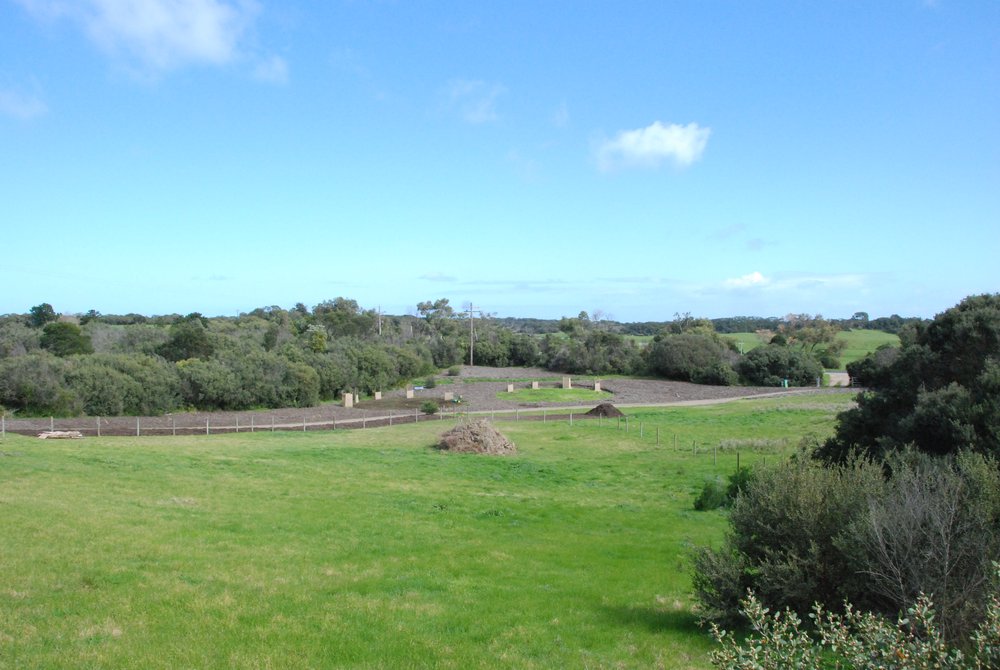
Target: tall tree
(940, 393)
(39, 315)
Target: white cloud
(21, 106)
(797, 282)
(159, 34)
(273, 70)
(474, 100)
(652, 145)
(747, 281)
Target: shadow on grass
(656, 620)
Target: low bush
(429, 407)
(713, 495)
(856, 639)
(803, 533)
(717, 493)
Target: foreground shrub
(802, 533)
(785, 539)
(855, 640)
(934, 528)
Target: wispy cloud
(475, 101)
(158, 35)
(21, 106)
(649, 147)
(273, 70)
(746, 281)
(796, 282)
(438, 277)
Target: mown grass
(861, 342)
(747, 341)
(368, 548)
(554, 395)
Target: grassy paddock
(555, 395)
(368, 548)
(861, 342)
(748, 340)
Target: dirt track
(476, 396)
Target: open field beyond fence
(370, 548)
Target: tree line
(273, 357)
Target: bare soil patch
(606, 409)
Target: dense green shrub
(691, 357)
(713, 495)
(429, 407)
(872, 370)
(189, 338)
(591, 352)
(804, 533)
(102, 390)
(17, 339)
(786, 539)
(65, 339)
(769, 365)
(210, 385)
(940, 392)
(718, 493)
(36, 384)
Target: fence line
(151, 426)
(156, 426)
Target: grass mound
(477, 437)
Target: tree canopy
(940, 392)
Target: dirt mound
(476, 437)
(605, 409)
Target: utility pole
(379, 320)
(472, 328)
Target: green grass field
(862, 342)
(748, 340)
(859, 342)
(555, 395)
(369, 548)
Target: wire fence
(216, 424)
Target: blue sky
(536, 158)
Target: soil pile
(605, 409)
(476, 437)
